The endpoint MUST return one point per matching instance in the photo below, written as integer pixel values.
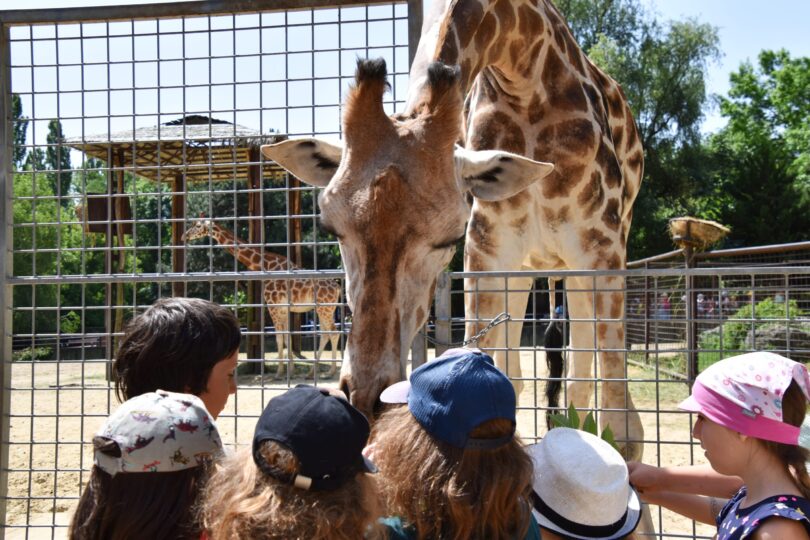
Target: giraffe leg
(580, 373)
(597, 309)
(505, 338)
(619, 411)
(326, 316)
(280, 323)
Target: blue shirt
(735, 523)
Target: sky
(745, 28)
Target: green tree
(20, 128)
(759, 161)
(57, 158)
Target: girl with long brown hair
(304, 478)
(151, 458)
(451, 466)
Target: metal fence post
(444, 328)
(6, 181)
(419, 349)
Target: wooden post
(178, 225)
(117, 216)
(255, 236)
(294, 206)
(108, 265)
(691, 318)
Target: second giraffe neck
(253, 258)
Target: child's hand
(645, 478)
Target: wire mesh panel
(134, 173)
(753, 309)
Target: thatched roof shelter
(199, 147)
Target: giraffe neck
(507, 40)
(250, 257)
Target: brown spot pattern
(611, 217)
(566, 175)
(449, 51)
(593, 240)
(577, 136)
(486, 31)
(505, 13)
(479, 231)
(465, 18)
(530, 23)
(606, 159)
(556, 218)
(616, 305)
(519, 223)
(535, 112)
(592, 195)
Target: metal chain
(501, 318)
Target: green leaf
(607, 436)
(590, 425)
(560, 420)
(573, 416)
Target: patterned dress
(736, 523)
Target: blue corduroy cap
(454, 394)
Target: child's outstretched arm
(696, 507)
(694, 479)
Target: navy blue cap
(454, 394)
(324, 432)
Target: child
(150, 457)
(581, 488)
(450, 463)
(183, 345)
(304, 477)
(750, 409)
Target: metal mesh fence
(130, 130)
(126, 129)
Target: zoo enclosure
(193, 78)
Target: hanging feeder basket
(696, 233)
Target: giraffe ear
(493, 175)
(312, 160)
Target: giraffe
(282, 295)
(507, 79)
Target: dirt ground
(50, 458)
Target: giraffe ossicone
(398, 194)
(282, 295)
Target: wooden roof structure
(198, 147)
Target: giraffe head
(396, 197)
(201, 229)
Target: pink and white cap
(744, 393)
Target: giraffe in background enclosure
(282, 295)
(398, 196)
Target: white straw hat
(582, 487)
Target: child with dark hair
(305, 476)
(451, 465)
(186, 345)
(151, 458)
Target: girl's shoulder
(736, 521)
